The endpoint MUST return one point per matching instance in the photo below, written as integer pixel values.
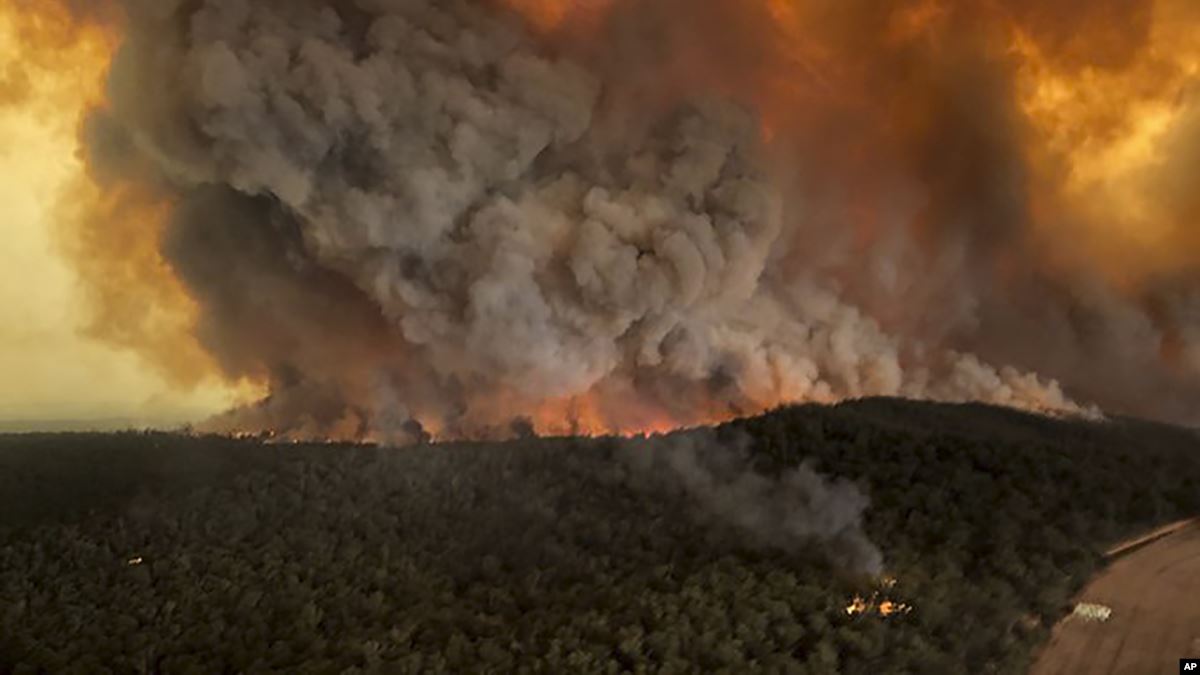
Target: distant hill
(711, 550)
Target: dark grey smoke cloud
(401, 211)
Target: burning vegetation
(392, 221)
(878, 602)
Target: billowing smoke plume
(417, 217)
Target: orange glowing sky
(50, 369)
(1116, 129)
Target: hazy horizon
(86, 424)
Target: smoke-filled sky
(50, 370)
(471, 218)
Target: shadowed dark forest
(152, 552)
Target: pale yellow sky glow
(48, 369)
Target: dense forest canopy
(151, 552)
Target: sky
(50, 372)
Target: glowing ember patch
(877, 603)
(887, 608)
(857, 606)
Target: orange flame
(877, 603)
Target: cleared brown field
(1154, 593)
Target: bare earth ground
(1154, 593)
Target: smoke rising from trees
(789, 512)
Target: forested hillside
(164, 553)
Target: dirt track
(1154, 593)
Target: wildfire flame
(877, 603)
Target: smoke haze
(789, 512)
